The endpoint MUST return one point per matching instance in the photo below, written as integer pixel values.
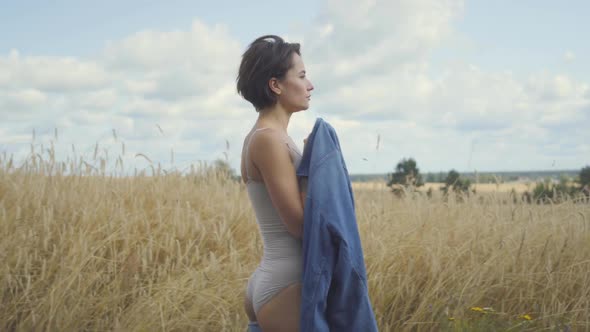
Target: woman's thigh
(281, 313)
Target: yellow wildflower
(484, 310)
(526, 317)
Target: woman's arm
(273, 161)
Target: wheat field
(172, 252)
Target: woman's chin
(301, 108)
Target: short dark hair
(267, 57)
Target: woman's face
(295, 88)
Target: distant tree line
(548, 191)
(407, 178)
(500, 177)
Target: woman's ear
(274, 86)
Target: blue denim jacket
(334, 290)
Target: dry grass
(173, 252)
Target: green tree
(430, 177)
(543, 191)
(406, 175)
(585, 177)
(441, 177)
(222, 168)
(547, 191)
(456, 183)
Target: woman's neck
(276, 117)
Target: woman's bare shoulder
(265, 138)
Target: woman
(272, 78)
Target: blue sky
(525, 36)
(470, 85)
(82, 28)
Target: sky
(465, 85)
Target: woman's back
(278, 242)
(281, 264)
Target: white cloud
(175, 79)
(140, 86)
(374, 36)
(102, 99)
(569, 56)
(208, 49)
(370, 61)
(53, 74)
(21, 100)
(370, 64)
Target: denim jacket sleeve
(334, 293)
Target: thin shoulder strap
(248, 150)
(286, 139)
(292, 146)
